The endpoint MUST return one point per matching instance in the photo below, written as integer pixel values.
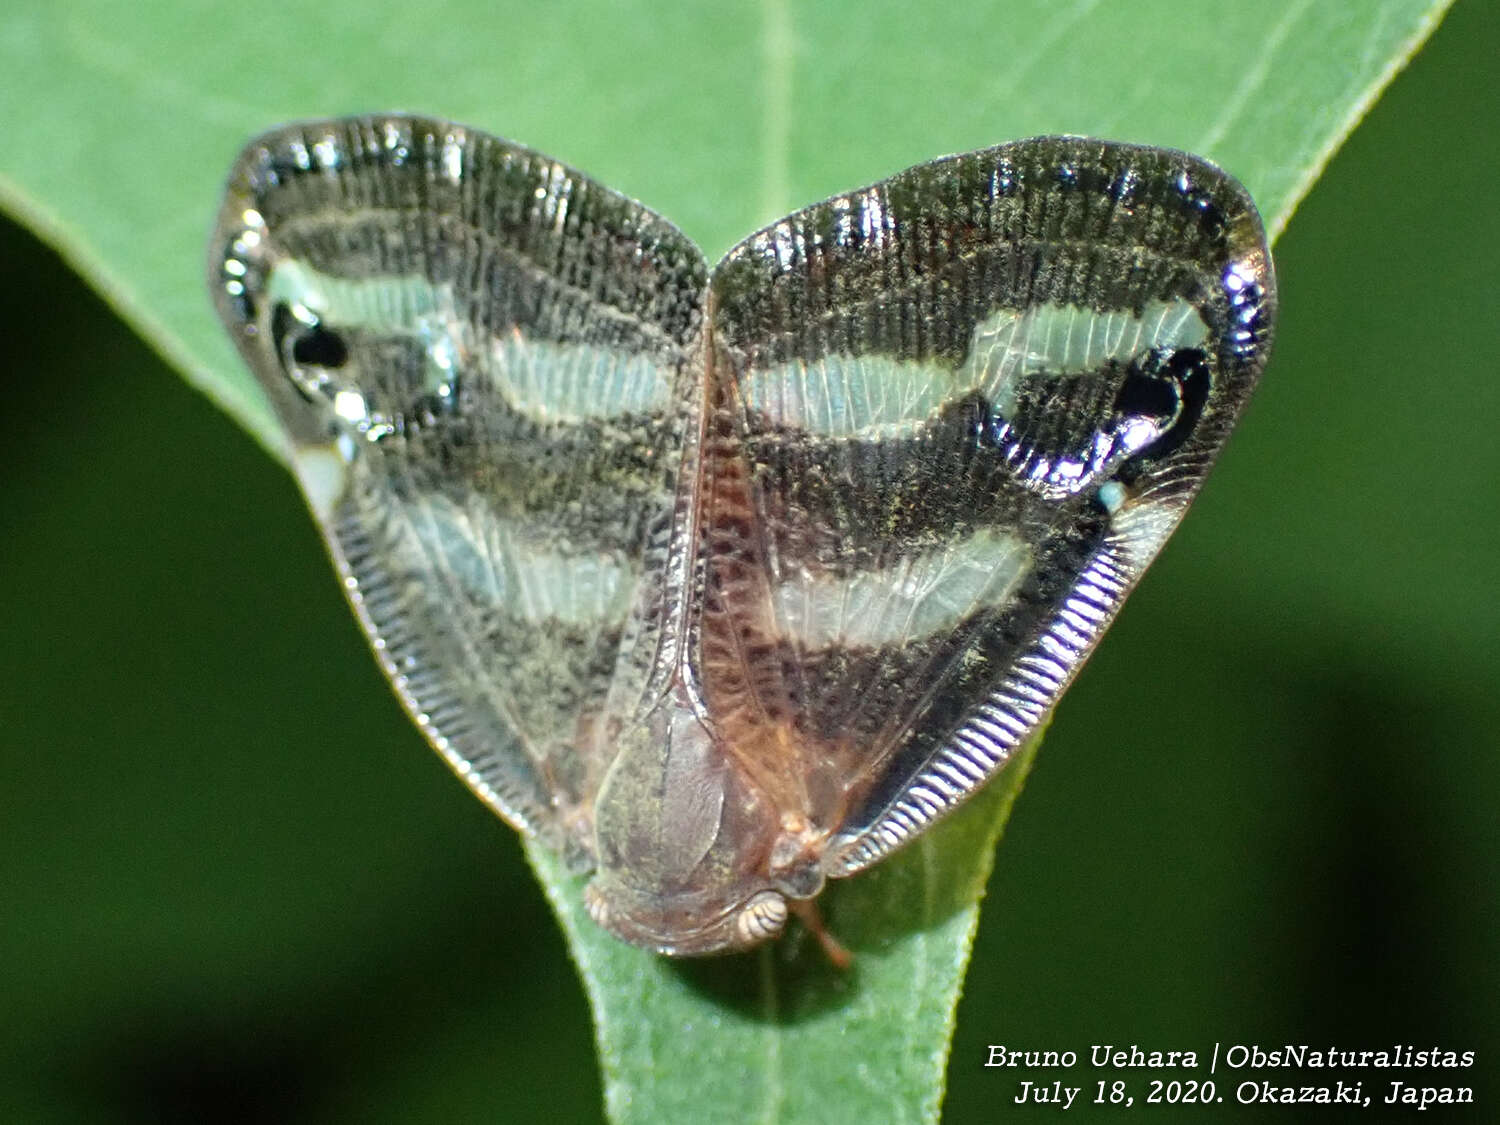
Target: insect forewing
(488, 366)
(957, 414)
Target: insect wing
(953, 418)
(488, 366)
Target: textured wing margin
(487, 365)
(954, 417)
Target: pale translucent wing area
(487, 364)
(954, 416)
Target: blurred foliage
(238, 887)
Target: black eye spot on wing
(302, 341)
(319, 347)
(1174, 385)
(1147, 391)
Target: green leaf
(722, 117)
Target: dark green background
(233, 876)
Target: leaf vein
(1253, 79)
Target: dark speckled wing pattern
(488, 367)
(728, 582)
(959, 412)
